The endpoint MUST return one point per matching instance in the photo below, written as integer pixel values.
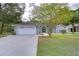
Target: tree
(52, 14)
(10, 13)
(75, 19)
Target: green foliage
(10, 13)
(13, 33)
(52, 14)
(53, 11)
(63, 31)
(75, 18)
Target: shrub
(13, 33)
(63, 31)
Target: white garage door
(26, 30)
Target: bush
(63, 31)
(13, 33)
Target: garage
(25, 29)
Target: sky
(74, 5)
(25, 16)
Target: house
(25, 28)
(30, 28)
(69, 28)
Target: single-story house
(30, 28)
(69, 28)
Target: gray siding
(77, 28)
(38, 30)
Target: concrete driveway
(18, 45)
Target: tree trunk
(73, 28)
(50, 28)
(2, 26)
(50, 32)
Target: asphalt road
(18, 45)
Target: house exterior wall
(77, 28)
(68, 28)
(58, 29)
(24, 30)
(38, 30)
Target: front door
(43, 29)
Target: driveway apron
(18, 45)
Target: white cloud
(27, 12)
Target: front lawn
(59, 45)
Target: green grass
(59, 45)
